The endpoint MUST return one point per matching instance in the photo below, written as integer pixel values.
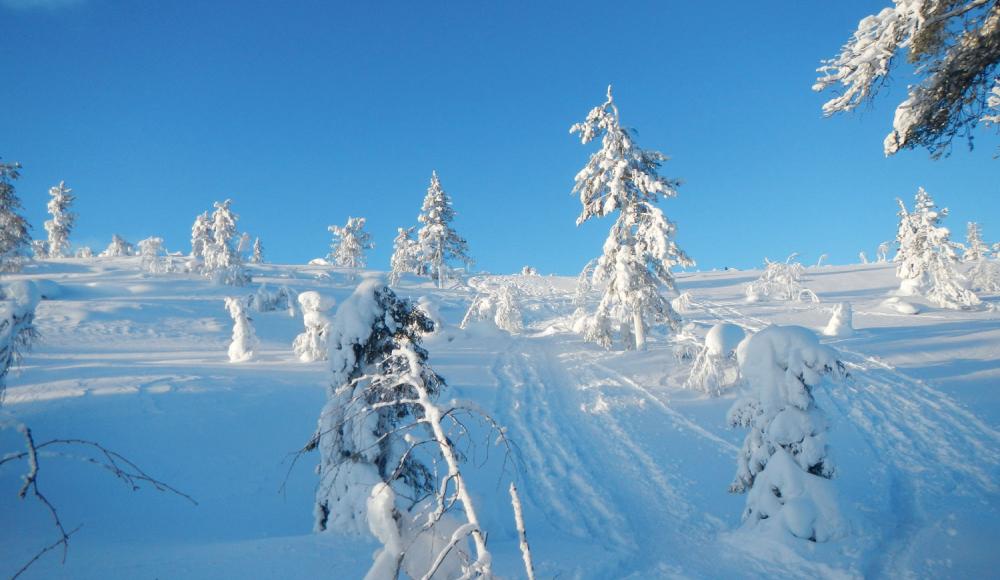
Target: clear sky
(307, 112)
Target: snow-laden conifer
(63, 218)
(17, 331)
(15, 241)
(376, 474)
(975, 249)
(244, 342)
(439, 243)
(784, 464)
(222, 262)
(258, 252)
(925, 261)
(118, 248)
(201, 236)
(405, 255)
(640, 249)
(350, 242)
(153, 259)
(311, 345)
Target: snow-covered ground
(623, 472)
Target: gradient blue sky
(306, 112)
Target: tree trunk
(639, 330)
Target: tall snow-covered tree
(349, 244)
(925, 260)
(439, 243)
(201, 236)
(223, 263)
(15, 241)
(784, 463)
(405, 255)
(640, 249)
(258, 252)
(954, 47)
(63, 218)
(975, 249)
(374, 471)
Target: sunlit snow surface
(622, 472)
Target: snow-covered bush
(244, 341)
(153, 256)
(63, 218)
(349, 244)
(84, 252)
(863, 257)
(784, 464)
(222, 262)
(640, 249)
(499, 305)
(715, 366)
(841, 323)
(780, 281)
(682, 303)
(925, 262)
(17, 330)
(439, 243)
(375, 472)
(15, 241)
(405, 255)
(529, 271)
(264, 300)
(118, 248)
(311, 345)
(984, 276)
(39, 249)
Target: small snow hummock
(841, 324)
(901, 306)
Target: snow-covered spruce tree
(15, 241)
(201, 236)
(349, 244)
(954, 47)
(311, 345)
(223, 263)
(17, 330)
(439, 243)
(375, 471)
(975, 249)
(784, 464)
(63, 218)
(640, 249)
(258, 252)
(118, 248)
(925, 261)
(152, 256)
(244, 343)
(405, 255)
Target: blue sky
(307, 112)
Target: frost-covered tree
(39, 249)
(350, 242)
(118, 248)
(63, 218)
(223, 263)
(784, 464)
(439, 243)
(715, 367)
(780, 281)
(84, 252)
(405, 255)
(264, 300)
(500, 305)
(925, 261)
(244, 343)
(311, 345)
(975, 249)
(15, 241)
(640, 249)
(153, 259)
(258, 252)
(201, 236)
(243, 246)
(883, 252)
(380, 436)
(17, 330)
(954, 47)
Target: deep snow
(622, 472)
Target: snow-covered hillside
(623, 472)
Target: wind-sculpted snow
(622, 471)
